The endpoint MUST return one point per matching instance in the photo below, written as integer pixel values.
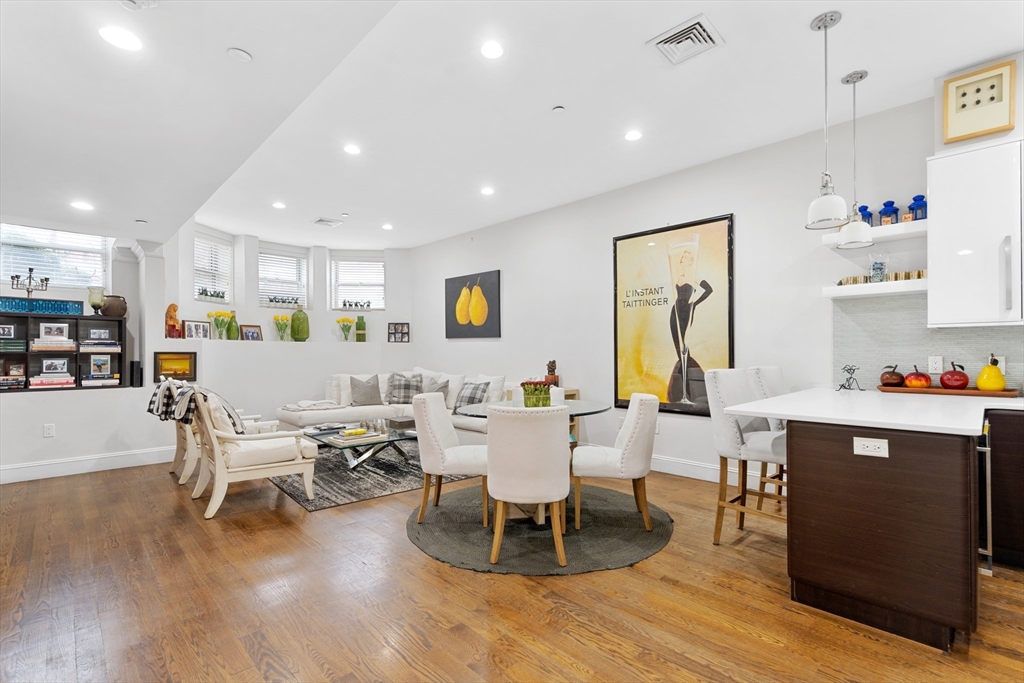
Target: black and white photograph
(51, 365)
(15, 369)
(99, 333)
(53, 330)
(6, 331)
(196, 329)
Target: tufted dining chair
(440, 453)
(629, 458)
(528, 463)
(768, 381)
(740, 438)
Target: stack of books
(8, 382)
(54, 344)
(51, 380)
(13, 345)
(99, 345)
(101, 380)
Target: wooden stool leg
(486, 502)
(556, 530)
(437, 490)
(561, 510)
(742, 481)
(499, 529)
(641, 496)
(780, 470)
(723, 487)
(636, 496)
(576, 491)
(426, 497)
(761, 484)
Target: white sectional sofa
(336, 406)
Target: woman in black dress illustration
(683, 265)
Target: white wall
(556, 269)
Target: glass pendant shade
(855, 235)
(827, 211)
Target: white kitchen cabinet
(974, 237)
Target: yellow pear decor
(991, 377)
(477, 305)
(462, 306)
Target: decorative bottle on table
(360, 329)
(300, 325)
(233, 327)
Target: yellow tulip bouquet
(346, 326)
(281, 323)
(220, 321)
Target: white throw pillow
(219, 415)
(496, 392)
(455, 383)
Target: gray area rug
(335, 484)
(612, 535)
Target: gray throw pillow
(432, 386)
(471, 394)
(365, 393)
(404, 388)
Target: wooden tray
(969, 391)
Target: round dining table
(577, 408)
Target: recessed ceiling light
(491, 50)
(239, 55)
(84, 206)
(634, 135)
(487, 190)
(558, 108)
(122, 38)
(344, 215)
(965, 252)
(387, 226)
(278, 205)
(141, 220)
(352, 149)
(650, 244)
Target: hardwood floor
(116, 576)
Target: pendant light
(829, 209)
(856, 234)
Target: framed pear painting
(472, 306)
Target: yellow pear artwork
(477, 305)
(462, 306)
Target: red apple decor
(955, 379)
(891, 378)
(917, 379)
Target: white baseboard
(703, 470)
(86, 463)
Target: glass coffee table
(359, 450)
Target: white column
(153, 298)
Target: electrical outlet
(49, 431)
(935, 365)
(1002, 363)
(878, 448)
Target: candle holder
(30, 284)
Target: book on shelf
(100, 382)
(15, 345)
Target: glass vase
(360, 329)
(233, 327)
(300, 325)
(537, 400)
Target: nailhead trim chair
(630, 458)
(769, 381)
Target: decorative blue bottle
(889, 214)
(866, 215)
(919, 207)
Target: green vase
(233, 327)
(300, 325)
(360, 329)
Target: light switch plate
(878, 448)
(49, 431)
(935, 365)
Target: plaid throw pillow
(471, 394)
(404, 388)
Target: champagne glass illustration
(682, 262)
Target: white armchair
(740, 438)
(440, 453)
(230, 457)
(528, 463)
(630, 458)
(186, 452)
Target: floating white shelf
(875, 289)
(885, 233)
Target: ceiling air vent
(687, 40)
(328, 222)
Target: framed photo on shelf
(55, 364)
(196, 329)
(176, 365)
(99, 333)
(979, 103)
(251, 332)
(99, 364)
(15, 369)
(6, 331)
(53, 330)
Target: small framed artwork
(15, 369)
(6, 331)
(398, 332)
(99, 364)
(196, 329)
(53, 330)
(99, 333)
(979, 103)
(405, 338)
(251, 332)
(55, 365)
(176, 365)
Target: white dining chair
(629, 458)
(740, 438)
(528, 463)
(440, 453)
(768, 381)
(186, 451)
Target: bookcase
(51, 352)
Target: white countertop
(963, 415)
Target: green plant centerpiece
(536, 394)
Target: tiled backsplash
(873, 332)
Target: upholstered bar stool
(769, 381)
(740, 438)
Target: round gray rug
(612, 535)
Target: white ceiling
(436, 121)
(151, 134)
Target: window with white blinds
(282, 279)
(212, 269)
(69, 259)
(357, 281)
